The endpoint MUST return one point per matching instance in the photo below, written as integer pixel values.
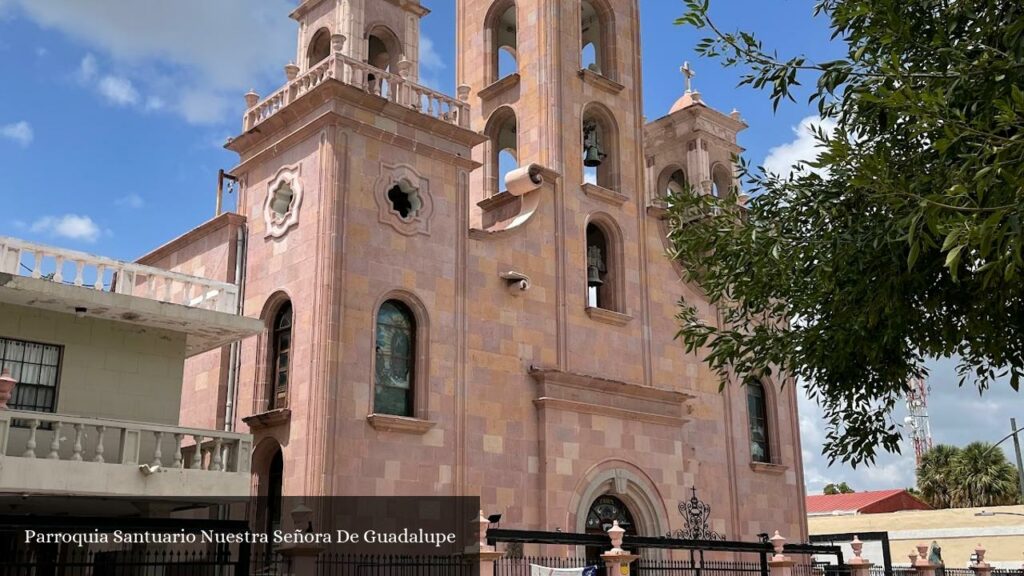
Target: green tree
(983, 477)
(901, 241)
(935, 475)
(841, 488)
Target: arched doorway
(603, 513)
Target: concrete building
(470, 295)
(98, 348)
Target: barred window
(757, 414)
(36, 367)
(282, 338)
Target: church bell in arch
(595, 265)
(593, 153)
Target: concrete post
(919, 561)
(301, 557)
(980, 567)
(488, 554)
(858, 566)
(617, 560)
(780, 564)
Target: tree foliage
(974, 476)
(901, 241)
(841, 488)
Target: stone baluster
(186, 293)
(79, 272)
(779, 564)
(858, 566)
(979, 566)
(55, 443)
(177, 451)
(76, 449)
(100, 430)
(197, 455)
(30, 444)
(58, 274)
(37, 265)
(217, 461)
(101, 270)
(158, 450)
(167, 289)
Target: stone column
(488, 555)
(617, 560)
(919, 561)
(858, 566)
(979, 566)
(301, 557)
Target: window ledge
(604, 194)
(601, 81)
(400, 423)
(657, 210)
(767, 468)
(608, 317)
(498, 200)
(268, 419)
(499, 86)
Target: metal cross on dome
(689, 73)
(696, 514)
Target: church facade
(471, 295)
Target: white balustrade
(22, 258)
(352, 72)
(73, 438)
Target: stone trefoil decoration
(284, 197)
(696, 515)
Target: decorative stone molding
(268, 419)
(605, 195)
(594, 395)
(418, 219)
(601, 81)
(499, 86)
(404, 424)
(767, 468)
(608, 316)
(281, 212)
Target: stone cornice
(604, 194)
(595, 395)
(608, 316)
(400, 423)
(767, 468)
(268, 419)
(499, 86)
(600, 81)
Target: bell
(593, 156)
(594, 277)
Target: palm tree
(983, 477)
(934, 475)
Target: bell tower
(382, 33)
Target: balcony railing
(387, 85)
(32, 260)
(37, 435)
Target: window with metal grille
(282, 351)
(36, 368)
(757, 414)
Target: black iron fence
(84, 562)
(388, 565)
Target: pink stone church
(470, 294)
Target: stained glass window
(282, 356)
(395, 362)
(603, 512)
(757, 414)
(36, 368)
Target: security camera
(516, 282)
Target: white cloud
(154, 103)
(130, 201)
(19, 132)
(203, 107)
(430, 59)
(71, 226)
(118, 91)
(87, 68)
(782, 158)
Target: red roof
(874, 502)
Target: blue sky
(113, 113)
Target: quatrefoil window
(284, 197)
(405, 200)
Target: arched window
(602, 514)
(600, 147)
(676, 183)
(501, 31)
(281, 347)
(721, 181)
(757, 416)
(597, 38)
(604, 276)
(319, 47)
(395, 361)
(503, 155)
(383, 51)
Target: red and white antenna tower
(917, 416)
